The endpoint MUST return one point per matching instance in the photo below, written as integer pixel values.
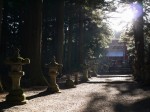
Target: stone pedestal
(69, 83)
(85, 75)
(85, 69)
(95, 69)
(76, 81)
(53, 86)
(16, 77)
(53, 71)
(16, 95)
(89, 75)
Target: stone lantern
(76, 81)
(94, 69)
(53, 67)
(69, 82)
(85, 73)
(16, 95)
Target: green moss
(16, 97)
(53, 89)
(70, 84)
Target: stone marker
(16, 95)
(53, 67)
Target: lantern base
(69, 83)
(53, 89)
(16, 97)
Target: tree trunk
(2, 29)
(32, 40)
(139, 43)
(1, 5)
(5, 79)
(59, 32)
(69, 65)
(1, 39)
(81, 36)
(1, 88)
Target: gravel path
(112, 93)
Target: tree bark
(32, 40)
(1, 5)
(81, 36)
(5, 79)
(1, 2)
(69, 56)
(3, 30)
(59, 32)
(139, 43)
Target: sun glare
(127, 16)
(122, 17)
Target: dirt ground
(105, 93)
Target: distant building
(116, 53)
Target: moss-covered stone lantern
(85, 72)
(53, 67)
(76, 81)
(16, 95)
(94, 68)
(69, 82)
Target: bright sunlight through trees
(123, 16)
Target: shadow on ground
(45, 92)
(96, 103)
(100, 103)
(139, 106)
(4, 105)
(125, 85)
(125, 88)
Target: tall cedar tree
(1, 2)
(139, 42)
(59, 31)
(81, 35)
(70, 19)
(3, 44)
(69, 56)
(32, 39)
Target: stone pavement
(105, 93)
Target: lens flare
(137, 10)
(124, 16)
